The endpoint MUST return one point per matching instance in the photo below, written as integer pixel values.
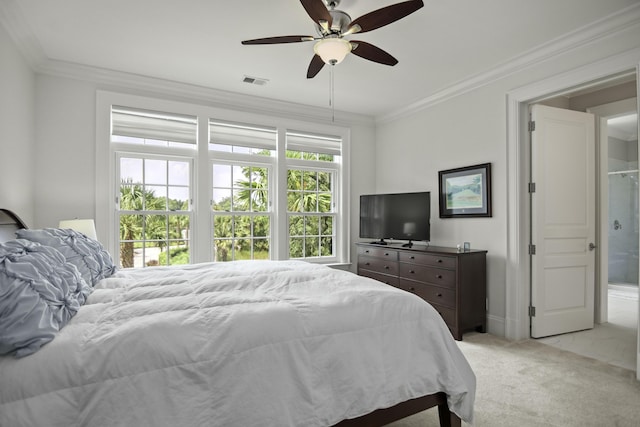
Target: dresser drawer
(380, 265)
(432, 294)
(432, 275)
(384, 278)
(428, 259)
(452, 282)
(378, 253)
(448, 315)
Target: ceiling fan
(333, 25)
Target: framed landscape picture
(465, 192)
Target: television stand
(408, 245)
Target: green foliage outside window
(157, 230)
(311, 235)
(245, 236)
(240, 233)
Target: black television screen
(401, 216)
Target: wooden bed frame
(383, 417)
(10, 222)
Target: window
(241, 205)
(154, 191)
(241, 214)
(309, 208)
(153, 211)
(313, 162)
(190, 185)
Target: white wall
(464, 131)
(65, 159)
(471, 128)
(17, 130)
(363, 177)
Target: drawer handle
(386, 254)
(412, 289)
(439, 276)
(366, 263)
(412, 272)
(439, 295)
(439, 260)
(386, 267)
(412, 257)
(367, 251)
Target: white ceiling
(624, 127)
(198, 42)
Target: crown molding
(588, 34)
(21, 33)
(117, 81)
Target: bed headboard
(9, 223)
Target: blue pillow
(92, 260)
(39, 293)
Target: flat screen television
(401, 216)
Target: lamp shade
(332, 50)
(84, 226)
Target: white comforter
(255, 343)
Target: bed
(244, 343)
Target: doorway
(619, 192)
(623, 201)
(518, 270)
(613, 339)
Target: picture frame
(465, 192)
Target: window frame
(325, 167)
(245, 160)
(201, 222)
(120, 154)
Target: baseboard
(496, 326)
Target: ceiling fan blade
(279, 39)
(315, 66)
(318, 12)
(386, 15)
(372, 53)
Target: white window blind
(313, 143)
(147, 124)
(240, 135)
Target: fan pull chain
(332, 96)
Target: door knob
(592, 246)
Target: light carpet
(529, 384)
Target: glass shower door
(623, 227)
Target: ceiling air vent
(255, 80)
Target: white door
(563, 221)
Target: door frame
(517, 269)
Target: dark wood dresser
(453, 282)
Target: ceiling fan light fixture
(332, 50)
